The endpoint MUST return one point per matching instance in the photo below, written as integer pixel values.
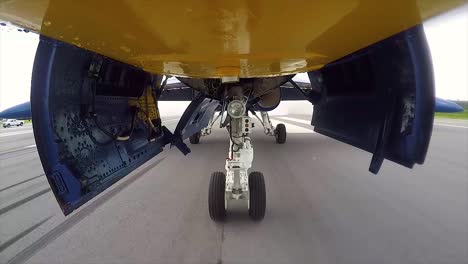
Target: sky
(447, 36)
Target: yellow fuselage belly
(245, 38)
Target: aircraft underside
(97, 119)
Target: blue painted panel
(75, 121)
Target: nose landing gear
(237, 183)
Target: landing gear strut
(237, 183)
(279, 132)
(195, 138)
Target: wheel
(280, 134)
(8, 125)
(21, 124)
(257, 201)
(216, 193)
(195, 138)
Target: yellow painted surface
(147, 105)
(205, 38)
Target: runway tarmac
(323, 206)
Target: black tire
(257, 201)
(21, 124)
(216, 194)
(8, 125)
(280, 134)
(195, 138)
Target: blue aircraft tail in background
(21, 111)
(446, 106)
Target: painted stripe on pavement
(447, 125)
(15, 133)
(294, 129)
(298, 120)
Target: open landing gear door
(196, 117)
(380, 99)
(95, 120)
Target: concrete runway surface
(323, 206)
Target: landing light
(236, 109)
